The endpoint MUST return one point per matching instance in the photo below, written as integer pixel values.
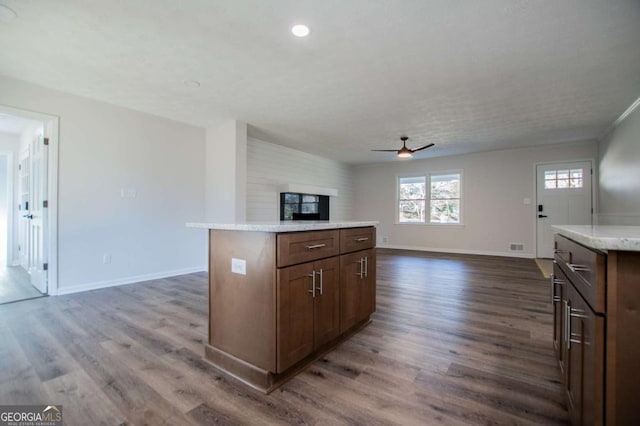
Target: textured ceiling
(466, 75)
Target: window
(441, 202)
(563, 179)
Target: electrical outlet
(106, 259)
(239, 266)
(385, 239)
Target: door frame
(51, 125)
(534, 206)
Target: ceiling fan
(405, 152)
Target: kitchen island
(596, 303)
(283, 293)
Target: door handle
(28, 216)
(542, 215)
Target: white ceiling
(466, 75)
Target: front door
(563, 198)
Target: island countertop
(603, 237)
(283, 226)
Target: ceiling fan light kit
(404, 152)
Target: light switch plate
(239, 266)
(128, 193)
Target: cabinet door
(350, 289)
(584, 360)
(327, 301)
(294, 318)
(558, 285)
(357, 287)
(368, 285)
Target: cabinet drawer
(585, 268)
(299, 247)
(354, 239)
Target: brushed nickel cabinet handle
(578, 268)
(361, 239)
(313, 283)
(320, 288)
(361, 273)
(316, 246)
(577, 313)
(567, 325)
(366, 266)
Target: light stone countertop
(603, 237)
(285, 226)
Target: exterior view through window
(563, 179)
(440, 205)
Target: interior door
(24, 188)
(37, 214)
(563, 198)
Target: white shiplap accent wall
(270, 165)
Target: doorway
(26, 228)
(564, 197)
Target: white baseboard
(126, 280)
(524, 255)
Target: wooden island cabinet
(280, 295)
(596, 304)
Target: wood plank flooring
(15, 284)
(456, 339)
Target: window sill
(444, 225)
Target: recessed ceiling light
(192, 84)
(7, 14)
(300, 30)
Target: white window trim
(427, 176)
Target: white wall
(619, 172)
(103, 149)
(270, 165)
(226, 173)
(495, 185)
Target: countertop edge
(281, 227)
(606, 237)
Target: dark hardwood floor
(456, 339)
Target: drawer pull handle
(361, 240)
(558, 251)
(578, 268)
(577, 313)
(316, 246)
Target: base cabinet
(596, 333)
(584, 360)
(308, 313)
(357, 291)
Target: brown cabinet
(308, 313)
(357, 287)
(283, 306)
(559, 284)
(584, 360)
(596, 296)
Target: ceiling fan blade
(385, 150)
(423, 147)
